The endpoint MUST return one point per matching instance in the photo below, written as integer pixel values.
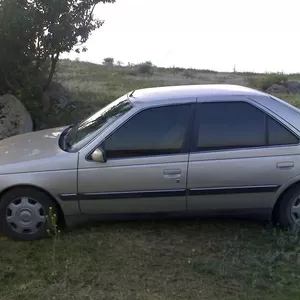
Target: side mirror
(99, 155)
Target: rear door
(240, 157)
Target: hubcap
(295, 211)
(25, 215)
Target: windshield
(87, 128)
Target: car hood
(41, 147)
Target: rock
(278, 89)
(293, 86)
(58, 96)
(14, 117)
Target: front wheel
(24, 213)
(289, 210)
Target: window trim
(187, 143)
(195, 133)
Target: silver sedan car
(168, 151)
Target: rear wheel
(23, 212)
(289, 209)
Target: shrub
(276, 78)
(189, 73)
(207, 71)
(108, 61)
(263, 82)
(145, 68)
(175, 70)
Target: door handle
(172, 173)
(285, 165)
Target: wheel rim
(295, 211)
(25, 215)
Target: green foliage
(34, 33)
(108, 61)
(263, 82)
(174, 70)
(276, 78)
(208, 71)
(145, 68)
(189, 73)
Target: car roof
(150, 96)
(189, 91)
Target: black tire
(31, 210)
(284, 214)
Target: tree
(108, 61)
(145, 67)
(34, 33)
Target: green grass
(155, 260)
(168, 260)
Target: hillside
(93, 86)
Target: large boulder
(293, 86)
(14, 117)
(289, 87)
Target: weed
(54, 233)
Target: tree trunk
(7, 83)
(54, 60)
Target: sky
(252, 35)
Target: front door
(241, 156)
(146, 167)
